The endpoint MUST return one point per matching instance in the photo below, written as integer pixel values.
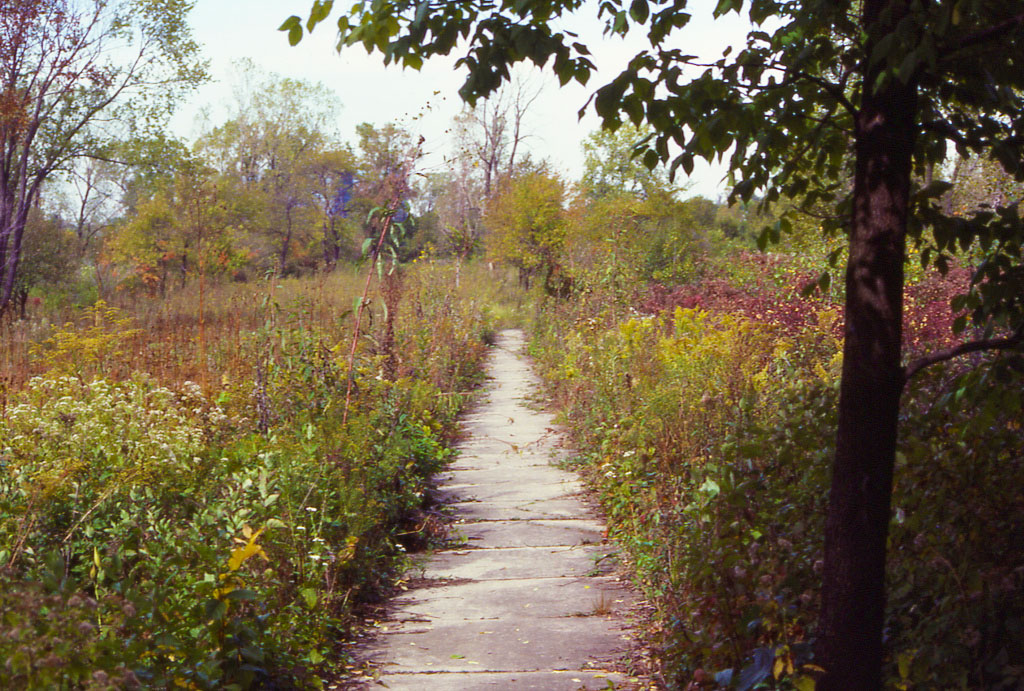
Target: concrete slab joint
(526, 599)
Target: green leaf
(422, 11)
(804, 683)
(710, 487)
(309, 595)
(825, 281)
(243, 594)
(908, 67)
(293, 25)
(289, 23)
(639, 11)
(214, 610)
(725, 6)
(321, 10)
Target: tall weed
(220, 531)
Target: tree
(182, 228)
(610, 165)
(491, 132)
(49, 257)
(455, 201)
(333, 174)
(979, 183)
(271, 144)
(382, 151)
(875, 91)
(526, 223)
(73, 75)
(387, 156)
(93, 203)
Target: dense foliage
(220, 532)
(706, 422)
(201, 484)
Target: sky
(425, 101)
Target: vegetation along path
(524, 599)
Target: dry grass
(182, 337)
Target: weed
(164, 533)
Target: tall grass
(185, 498)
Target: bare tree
(491, 133)
(93, 201)
(459, 209)
(74, 74)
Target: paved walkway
(524, 600)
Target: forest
(231, 365)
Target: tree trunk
(857, 522)
(14, 219)
(183, 270)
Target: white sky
(232, 29)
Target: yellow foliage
(527, 222)
(249, 549)
(246, 550)
(70, 350)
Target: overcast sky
(425, 101)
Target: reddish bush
(927, 323)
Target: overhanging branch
(1006, 343)
(986, 35)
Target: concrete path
(525, 599)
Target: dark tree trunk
(13, 225)
(329, 245)
(525, 278)
(857, 523)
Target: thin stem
(359, 313)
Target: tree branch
(1006, 343)
(835, 90)
(987, 34)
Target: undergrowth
(708, 431)
(186, 502)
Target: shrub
(708, 432)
